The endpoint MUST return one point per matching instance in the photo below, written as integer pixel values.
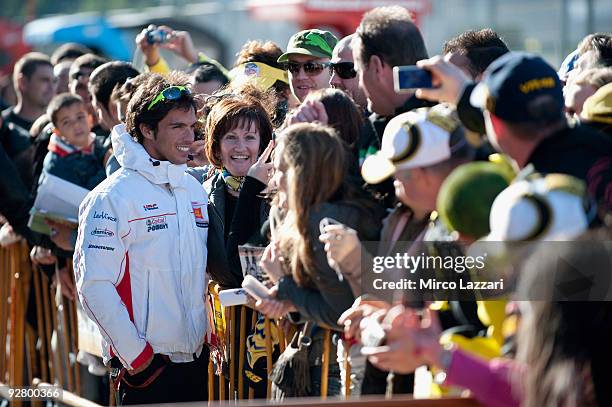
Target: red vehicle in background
(340, 16)
(12, 46)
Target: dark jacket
(223, 262)
(372, 134)
(581, 152)
(330, 297)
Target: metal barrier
(44, 351)
(27, 354)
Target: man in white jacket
(140, 256)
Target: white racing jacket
(140, 258)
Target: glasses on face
(171, 93)
(345, 70)
(310, 68)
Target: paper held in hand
(57, 200)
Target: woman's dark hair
(565, 335)
(228, 111)
(342, 113)
(138, 111)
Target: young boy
(74, 153)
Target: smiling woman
(237, 144)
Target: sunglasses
(171, 93)
(345, 70)
(310, 68)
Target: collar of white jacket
(132, 155)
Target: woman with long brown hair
(310, 174)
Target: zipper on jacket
(146, 315)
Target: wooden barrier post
(347, 371)
(241, 350)
(232, 354)
(268, 336)
(47, 307)
(40, 320)
(5, 283)
(17, 319)
(325, 364)
(211, 381)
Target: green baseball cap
(315, 43)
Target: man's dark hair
(209, 72)
(390, 34)
(601, 45)
(480, 47)
(60, 102)
(68, 51)
(27, 65)
(104, 78)
(138, 111)
(91, 61)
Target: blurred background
(551, 28)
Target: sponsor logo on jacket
(156, 223)
(102, 232)
(200, 221)
(104, 215)
(150, 207)
(99, 247)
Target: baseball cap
(568, 65)
(514, 87)
(466, 196)
(551, 208)
(261, 75)
(315, 43)
(418, 138)
(598, 107)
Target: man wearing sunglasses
(307, 61)
(140, 258)
(343, 73)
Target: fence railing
(38, 347)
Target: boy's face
(73, 125)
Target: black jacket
(223, 262)
(582, 152)
(330, 297)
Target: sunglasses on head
(171, 93)
(310, 68)
(345, 70)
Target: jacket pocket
(145, 314)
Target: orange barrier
(31, 359)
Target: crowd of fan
(312, 154)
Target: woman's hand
(271, 262)
(181, 44)
(352, 317)
(199, 156)
(40, 255)
(340, 242)
(66, 283)
(308, 112)
(61, 234)
(262, 169)
(273, 308)
(411, 341)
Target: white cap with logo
(419, 138)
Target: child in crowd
(74, 153)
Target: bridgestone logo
(98, 247)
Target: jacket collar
(132, 155)
(62, 148)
